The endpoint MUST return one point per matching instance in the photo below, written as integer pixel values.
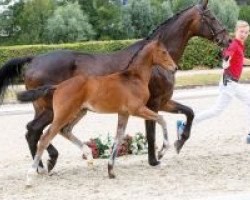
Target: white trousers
(226, 94)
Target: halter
(205, 20)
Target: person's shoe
(180, 128)
(248, 138)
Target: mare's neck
(177, 34)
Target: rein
(204, 20)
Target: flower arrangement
(101, 148)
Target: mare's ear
(203, 4)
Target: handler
(233, 61)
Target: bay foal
(125, 93)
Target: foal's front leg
(148, 114)
(122, 123)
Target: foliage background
(31, 27)
(198, 53)
(60, 21)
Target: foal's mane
(157, 33)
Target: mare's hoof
(51, 164)
(178, 145)
(153, 162)
(41, 170)
(112, 176)
(111, 172)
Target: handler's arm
(246, 61)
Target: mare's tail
(10, 71)
(34, 94)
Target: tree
(69, 24)
(245, 13)
(33, 18)
(105, 17)
(227, 12)
(10, 20)
(138, 18)
(178, 5)
(161, 10)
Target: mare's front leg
(177, 108)
(122, 123)
(150, 133)
(153, 104)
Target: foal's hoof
(90, 164)
(162, 152)
(29, 177)
(178, 145)
(160, 155)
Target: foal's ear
(158, 43)
(203, 4)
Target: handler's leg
(243, 94)
(221, 103)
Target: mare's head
(161, 57)
(196, 20)
(208, 26)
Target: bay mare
(125, 93)
(57, 66)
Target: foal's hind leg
(148, 114)
(122, 123)
(67, 133)
(35, 130)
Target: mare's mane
(157, 33)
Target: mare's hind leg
(67, 133)
(175, 107)
(35, 130)
(42, 145)
(122, 123)
(148, 114)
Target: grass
(183, 81)
(203, 79)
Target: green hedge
(199, 52)
(245, 13)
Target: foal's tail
(32, 95)
(10, 71)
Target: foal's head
(161, 56)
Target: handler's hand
(226, 62)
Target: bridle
(205, 18)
